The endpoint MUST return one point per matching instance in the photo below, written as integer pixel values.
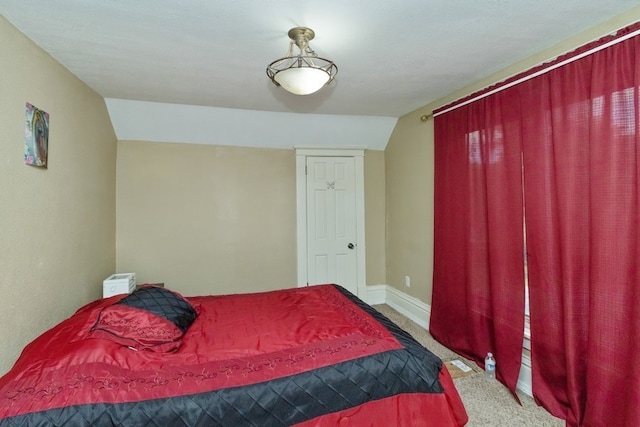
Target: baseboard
(376, 294)
(524, 379)
(420, 312)
(410, 307)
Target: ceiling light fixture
(304, 73)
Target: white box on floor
(116, 284)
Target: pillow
(150, 318)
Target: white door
(330, 216)
(331, 222)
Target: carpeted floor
(488, 403)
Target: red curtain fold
(478, 283)
(581, 168)
(574, 134)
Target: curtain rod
(544, 70)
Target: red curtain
(577, 128)
(478, 283)
(581, 165)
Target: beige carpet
(488, 403)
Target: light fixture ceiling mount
(305, 72)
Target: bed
(312, 356)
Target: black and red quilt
(313, 356)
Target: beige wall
(375, 216)
(409, 173)
(208, 219)
(57, 225)
(409, 205)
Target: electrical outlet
(407, 281)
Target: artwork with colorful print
(36, 136)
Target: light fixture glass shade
(304, 73)
(302, 81)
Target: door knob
(351, 246)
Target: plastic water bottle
(490, 367)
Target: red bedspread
(274, 347)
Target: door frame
(357, 152)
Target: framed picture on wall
(36, 136)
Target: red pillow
(151, 318)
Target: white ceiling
(393, 56)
